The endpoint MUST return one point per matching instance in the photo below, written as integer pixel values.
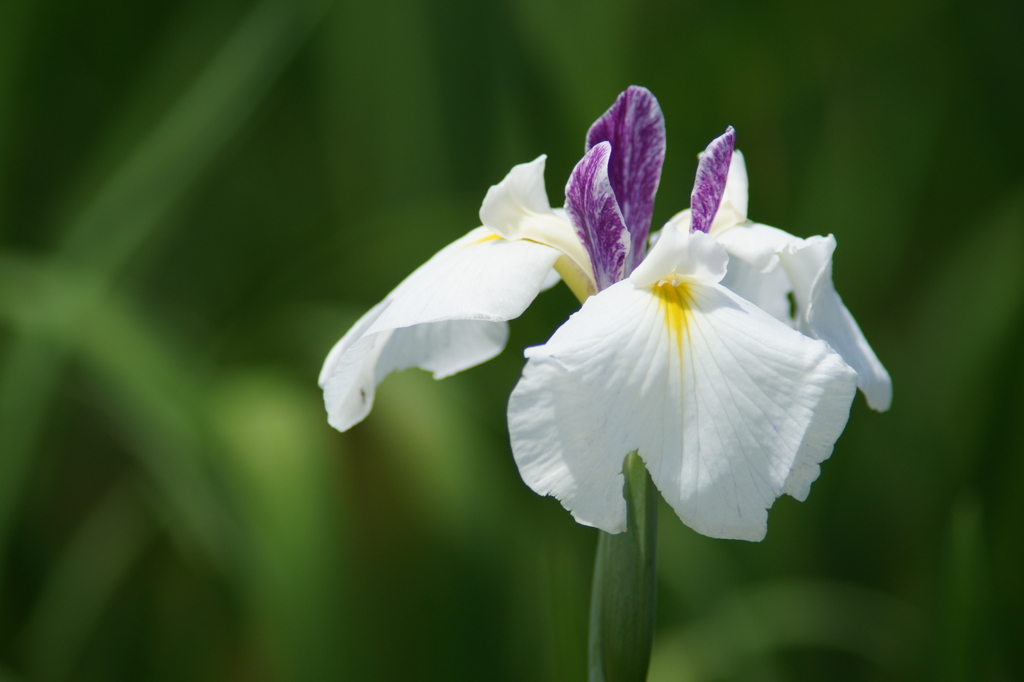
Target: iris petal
(447, 316)
(709, 185)
(594, 212)
(728, 407)
(635, 127)
(517, 208)
(823, 315)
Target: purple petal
(709, 186)
(594, 212)
(636, 129)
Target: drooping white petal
(351, 336)
(822, 315)
(728, 407)
(443, 348)
(447, 316)
(517, 208)
(478, 277)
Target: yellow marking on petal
(489, 238)
(675, 303)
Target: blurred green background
(198, 197)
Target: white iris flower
(728, 406)
(688, 354)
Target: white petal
(755, 243)
(346, 342)
(441, 347)
(517, 208)
(447, 316)
(690, 256)
(822, 315)
(478, 277)
(521, 192)
(728, 407)
(349, 378)
(767, 290)
(444, 348)
(551, 280)
(652, 240)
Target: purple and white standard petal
(709, 186)
(517, 208)
(447, 316)
(727, 407)
(635, 127)
(822, 315)
(591, 205)
(752, 242)
(733, 209)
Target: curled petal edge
(517, 208)
(822, 315)
(447, 316)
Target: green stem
(624, 594)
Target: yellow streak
(489, 238)
(675, 302)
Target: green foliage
(198, 198)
